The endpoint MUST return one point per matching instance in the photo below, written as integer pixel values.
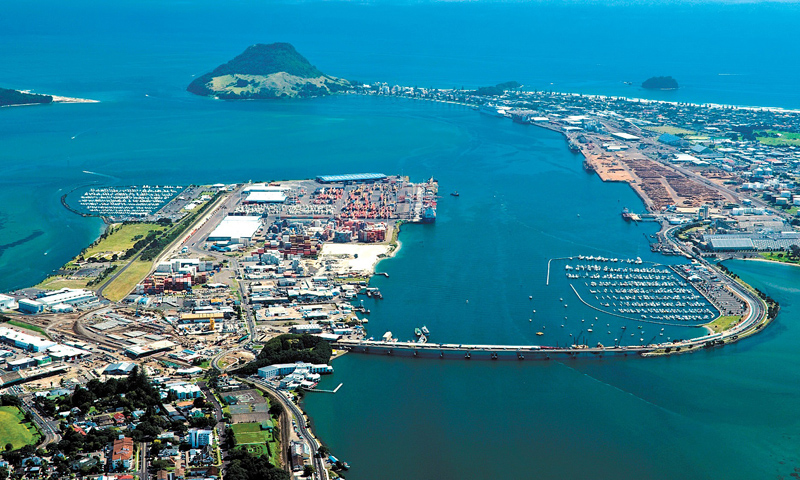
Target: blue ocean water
(726, 413)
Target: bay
(726, 413)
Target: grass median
(122, 285)
(723, 323)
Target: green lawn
(28, 326)
(14, 430)
(246, 427)
(671, 130)
(249, 436)
(119, 241)
(123, 284)
(723, 323)
(122, 239)
(785, 138)
(782, 257)
(57, 282)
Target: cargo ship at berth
(587, 165)
(492, 110)
(628, 216)
(573, 147)
(429, 215)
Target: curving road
(320, 473)
(47, 427)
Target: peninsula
(267, 72)
(9, 97)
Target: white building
(24, 341)
(70, 296)
(30, 306)
(283, 369)
(184, 390)
(265, 197)
(237, 229)
(7, 303)
(199, 438)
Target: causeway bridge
(484, 352)
(755, 319)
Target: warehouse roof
(266, 197)
(353, 177)
(234, 227)
(732, 243)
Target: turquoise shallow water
(728, 413)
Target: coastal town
(218, 305)
(728, 173)
(180, 344)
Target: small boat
(539, 334)
(418, 332)
(455, 194)
(425, 330)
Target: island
(267, 72)
(9, 97)
(660, 83)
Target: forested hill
(15, 97)
(264, 72)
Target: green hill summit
(267, 71)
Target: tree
(9, 447)
(308, 470)
(323, 451)
(199, 402)
(275, 410)
(7, 400)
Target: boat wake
(648, 402)
(98, 174)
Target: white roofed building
(237, 229)
(265, 197)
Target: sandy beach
(345, 254)
(60, 99)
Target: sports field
(14, 429)
(250, 437)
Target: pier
(319, 390)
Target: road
(47, 427)
(756, 307)
(143, 454)
(171, 248)
(117, 274)
(217, 407)
(321, 473)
